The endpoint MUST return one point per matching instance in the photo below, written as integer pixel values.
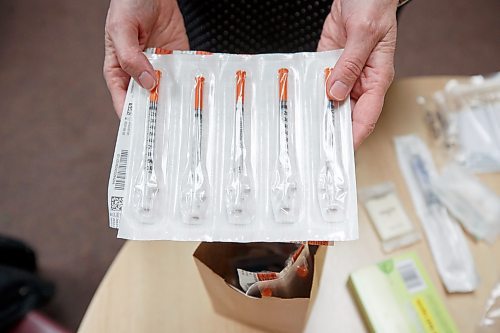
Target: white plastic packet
(389, 218)
(465, 118)
(235, 148)
(447, 242)
(470, 201)
(490, 321)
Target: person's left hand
(131, 26)
(366, 29)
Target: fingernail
(146, 81)
(339, 90)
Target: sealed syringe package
(237, 148)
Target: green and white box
(396, 295)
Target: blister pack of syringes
(237, 148)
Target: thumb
(131, 58)
(346, 72)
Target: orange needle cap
(283, 81)
(240, 85)
(302, 271)
(153, 94)
(328, 73)
(198, 93)
(266, 292)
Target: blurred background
(58, 128)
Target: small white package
(389, 218)
(446, 239)
(238, 148)
(472, 203)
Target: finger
(118, 98)
(116, 79)
(117, 87)
(360, 43)
(365, 114)
(129, 54)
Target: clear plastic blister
(241, 148)
(389, 218)
(146, 182)
(331, 183)
(446, 239)
(286, 190)
(195, 185)
(239, 185)
(465, 119)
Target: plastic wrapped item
(389, 218)
(146, 185)
(490, 322)
(240, 188)
(238, 148)
(287, 187)
(195, 187)
(465, 119)
(449, 248)
(470, 201)
(331, 183)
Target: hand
(367, 30)
(131, 26)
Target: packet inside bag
(235, 148)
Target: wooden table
(155, 286)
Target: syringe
(195, 186)
(146, 187)
(239, 190)
(331, 184)
(286, 188)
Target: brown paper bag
(217, 263)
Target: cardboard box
(216, 264)
(397, 295)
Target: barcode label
(411, 277)
(121, 171)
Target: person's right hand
(131, 26)
(367, 30)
